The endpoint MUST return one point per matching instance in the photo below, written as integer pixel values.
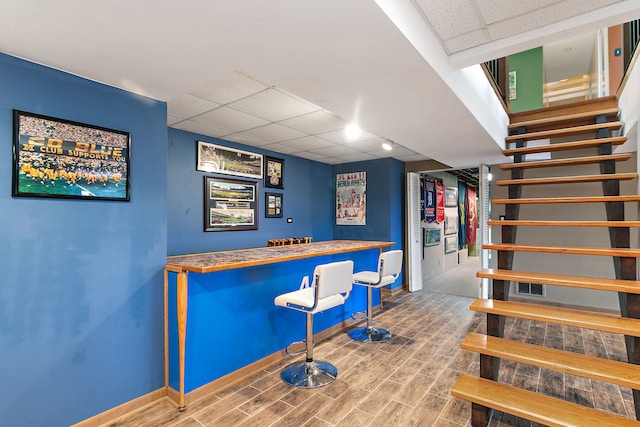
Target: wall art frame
(450, 244)
(273, 205)
(229, 161)
(59, 158)
(230, 204)
(273, 172)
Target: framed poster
(451, 222)
(230, 204)
(273, 205)
(351, 198)
(451, 197)
(450, 244)
(273, 172)
(229, 161)
(431, 236)
(64, 159)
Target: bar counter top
(226, 260)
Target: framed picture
(451, 222)
(431, 236)
(230, 204)
(451, 197)
(229, 161)
(64, 159)
(273, 172)
(450, 244)
(273, 205)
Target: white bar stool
(330, 288)
(389, 267)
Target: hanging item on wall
(229, 161)
(439, 200)
(65, 159)
(472, 219)
(451, 197)
(351, 198)
(513, 87)
(230, 204)
(274, 172)
(429, 199)
(462, 214)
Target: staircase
(581, 135)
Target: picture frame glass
(229, 161)
(273, 205)
(273, 172)
(61, 158)
(230, 204)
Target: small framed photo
(228, 161)
(431, 236)
(451, 197)
(273, 172)
(273, 205)
(64, 159)
(450, 244)
(230, 204)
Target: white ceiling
(287, 75)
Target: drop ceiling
(287, 75)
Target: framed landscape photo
(450, 244)
(228, 161)
(65, 159)
(431, 236)
(273, 205)
(273, 172)
(230, 204)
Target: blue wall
(307, 198)
(81, 287)
(385, 204)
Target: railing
(497, 71)
(631, 40)
(567, 90)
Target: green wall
(529, 79)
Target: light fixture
(489, 177)
(352, 132)
(387, 145)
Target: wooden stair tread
(595, 368)
(555, 133)
(608, 112)
(621, 252)
(567, 162)
(568, 179)
(589, 105)
(560, 316)
(562, 146)
(532, 406)
(589, 199)
(556, 223)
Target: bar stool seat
(330, 288)
(389, 267)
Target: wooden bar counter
(235, 319)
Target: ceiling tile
(498, 10)
(201, 128)
(187, 106)
(451, 17)
(412, 158)
(228, 118)
(311, 156)
(273, 105)
(338, 150)
(279, 147)
(231, 88)
(316, 122)
(339, 136)
(309, 143)
(467, 41)
(242, 138)
(332, 160)
(357, 157)
(273, 133)
(172, 120)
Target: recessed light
(352, 132)
(387, 146)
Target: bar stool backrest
(390, 264)
(333, 278)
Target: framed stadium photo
(64, 159)
(230, 204)
(228, 161)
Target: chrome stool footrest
(370, 334)
(359, 315)
(309, 374)
(288, 351)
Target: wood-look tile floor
(403, 382)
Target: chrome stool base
(309, 374)
(370, 334)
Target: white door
(414, 233)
